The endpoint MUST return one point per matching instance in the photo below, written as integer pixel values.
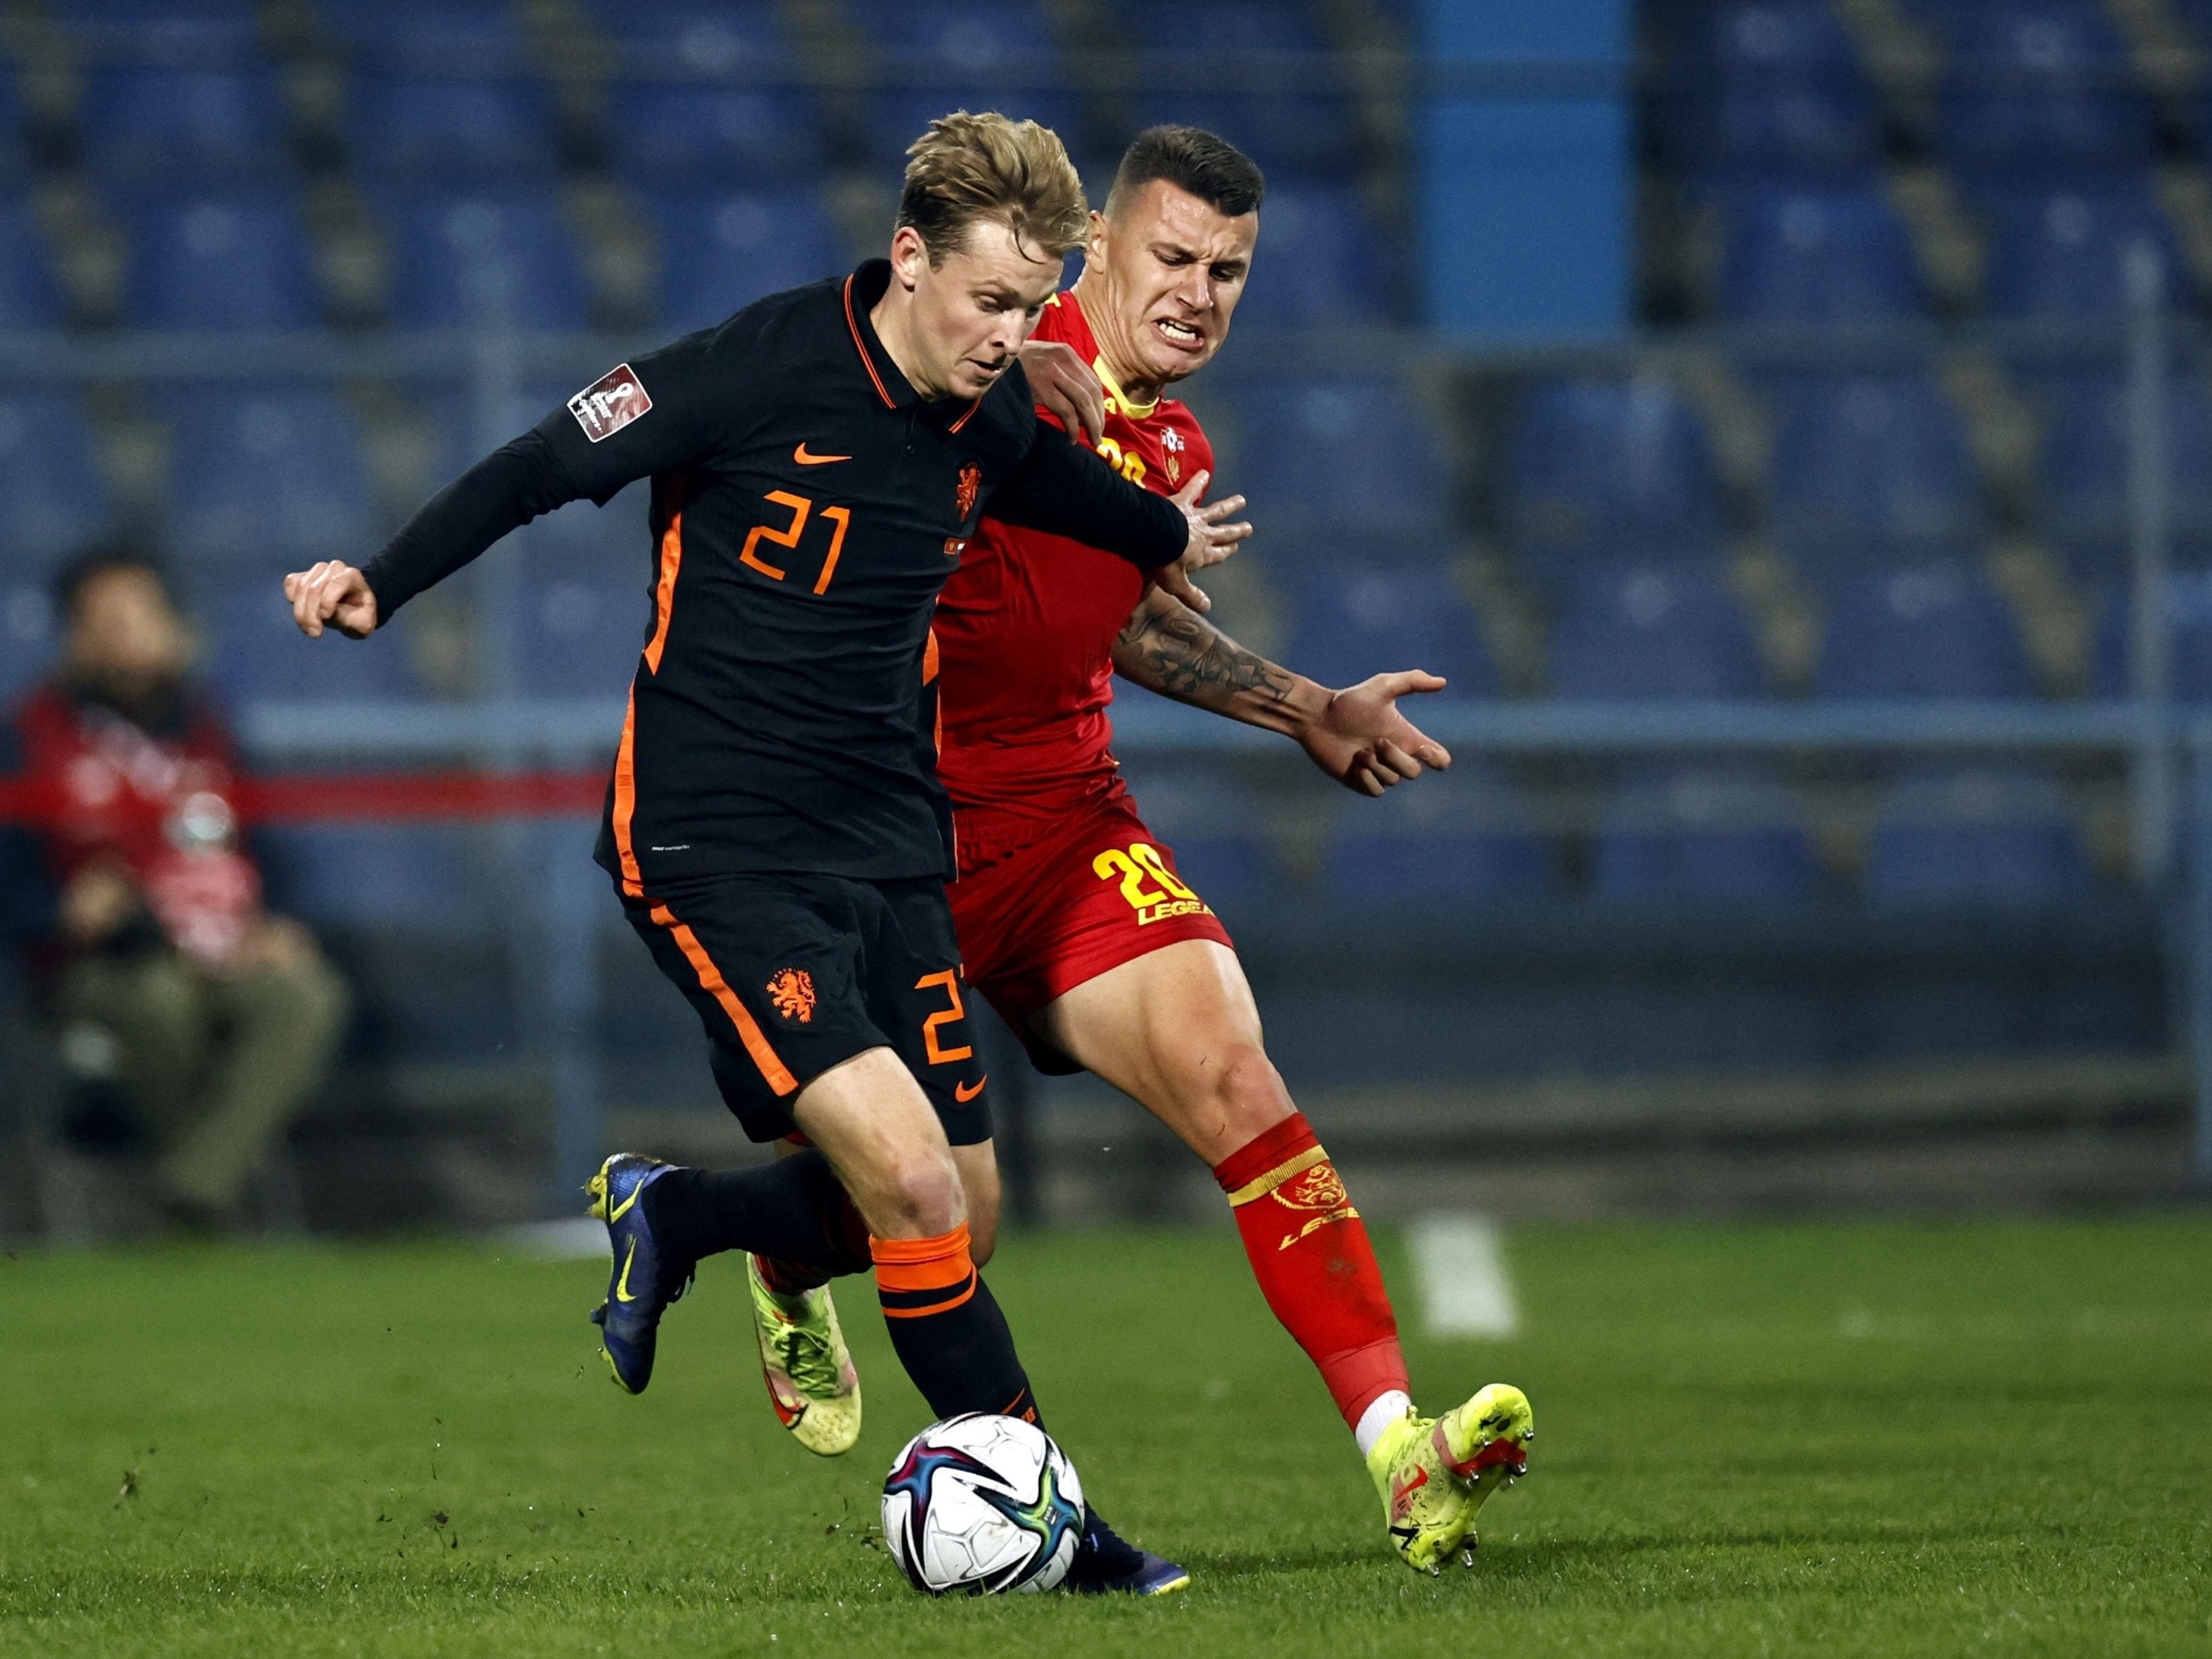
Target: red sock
(1310, 1251)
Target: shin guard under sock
(947, 1327)
(794, 1208)
(1311, 1253)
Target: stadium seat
(28, 296)
(1323, 265)
(1816, 255)
(1343, 462)
(965, 54)
(2189, 650)
(1617, 468)
(145, 123)
(1934, 631)
(184, 34)
(707, 136)
(2037, 85)
(1869, 471)
(2085, 453)
(410, 132)
(1258, 72)
(2062, 254)
(1788, 98)
(383, 876)
(1355, 622)
(584, 599)
(219, 262)
(428, 37)
(1632, 632)
(255, 652)
(484, 258)
(1975, 833)
(1708, 834)
(53, 496)
(263, 475)
(1217, 828)
(1465, 834)
(721, 251)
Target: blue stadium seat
(1788, 96)
(1269, 80)
(1325, 459)
(721, 251)
(584, 599)
(1816, 255)
(1976, 834)
(1613, 467)
(709, 136)
(2037, 85)
(2062, 254)
(2188, 651)
(1869, 471)
(142, 122)
(1352, 623)
(266, 476)
(255, 652)
(1215, 827)
(1934, 631)
(428, 37)
(479, 258)
(1319, 264)
(382, 876)
(29, 633)
(968, 54)
(412, 130)
(53, 496)
(28, 296)
(182, 33)
(219, 262)
(1464, 833)
(1708, 834)
(1633, 632)
(2084, 471)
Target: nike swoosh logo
(963, 1094)
(801, 455)
(621, 1285)
(624, 1208)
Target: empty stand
(1342, 462)
(1356, 622)
(1465, 834)
(53, 497)
(487, 258)
(2061, 253)
(260, 475)
(1617, 468)
(2189, 648)
(1320, 265)
(1870, 470)
(210, 261)
(1976, 834)
(720, 251)
(1787, 97)
(1702, 834)
(1808, 256)
(2085, 469)
(1934, 631)
(1630, 633)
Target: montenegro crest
(964, 492)
(1171, 441)
(791, 991)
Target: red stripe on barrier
(379, 797)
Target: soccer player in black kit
(774, 824)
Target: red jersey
(1025, 633)
(163, 807)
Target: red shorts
(1085, 897)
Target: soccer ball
(983, 1504)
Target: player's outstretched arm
(1356, 735)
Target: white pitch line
(1464, 1288)
(579, 1240)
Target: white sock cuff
(1382, 1411)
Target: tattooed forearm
(1170, 649)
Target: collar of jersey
(1134, 410)
(863, 288)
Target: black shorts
(794, 974)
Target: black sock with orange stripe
(794, 1208)
(947, 1327)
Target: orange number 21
(840, 517)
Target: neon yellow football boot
(1435, 1473)
(809, 1370)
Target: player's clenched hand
(1065, 385)
(1212, 539)
(1362, 740)
(333, 594)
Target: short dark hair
(89, 566)
(1191, 158)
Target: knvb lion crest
(791, 991)
(969, 487)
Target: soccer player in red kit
(1072, 917)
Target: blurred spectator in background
(213, 1020)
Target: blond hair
(969, 169)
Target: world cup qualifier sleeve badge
(609, 403)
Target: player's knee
(1242, 1096)
(925, 1200)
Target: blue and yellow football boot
(1435, 1474)
(1106, 1564)
(642, 1281)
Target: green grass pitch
(1986, 1439)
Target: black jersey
(807, 506)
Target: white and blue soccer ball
(979, 1505)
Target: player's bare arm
(1358, 736)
